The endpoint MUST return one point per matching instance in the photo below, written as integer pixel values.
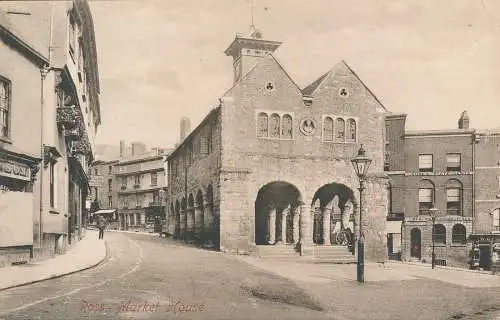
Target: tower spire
(252, 26)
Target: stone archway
(199, 218)
(276, 214)
(333, 208)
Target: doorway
(416, 243)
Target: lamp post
(361, 163)
(433, 214)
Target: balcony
(72, 134)
(67, 117)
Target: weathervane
(252, 26)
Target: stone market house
(270, 167)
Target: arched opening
(439, 234)
(454, 197)
(275, 208)
(183, 220)
(425, 196)
(177, 220)
(333, 207)
(416, 243)
(458, 234)
(199, 217)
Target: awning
(104, 211)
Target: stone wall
(455, 254)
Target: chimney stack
(463, 122)
(122, 148)
(185, 127)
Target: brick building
(454, 171)
(57, 39)
(271, 163)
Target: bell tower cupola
(248, 50)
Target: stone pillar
(199, 223)
(296, 230)
(208, 217)
(284, 216)
(272, 226)
(143, 218)
(326, 225)
(182, 225)
(190, 224)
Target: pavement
(374, 272)
(85, 254)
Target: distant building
(131, 189)
(456, 171)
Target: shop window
(5, 89)
(425, 163)
(274, 126)
(340, 130)
(351, 130)
(287, 129)
(458, 234)
(262, 125)
(453, 162)
(328, 129)
(439, 234)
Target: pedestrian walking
(101, 225)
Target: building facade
(272, 163)
(20, 155)
(130, 190)
(453, 171)
(141, 190)
(69, 115)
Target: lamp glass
(361, 163)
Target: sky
(161, 60)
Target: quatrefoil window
(269, 86)
(343, 92)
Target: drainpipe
(473, 182)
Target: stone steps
(277, 252)
(333, 254)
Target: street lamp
(433, 214)
(361, 163)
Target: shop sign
(16, 171)
(440, 173)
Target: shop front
(485, 251)
(19, 227)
